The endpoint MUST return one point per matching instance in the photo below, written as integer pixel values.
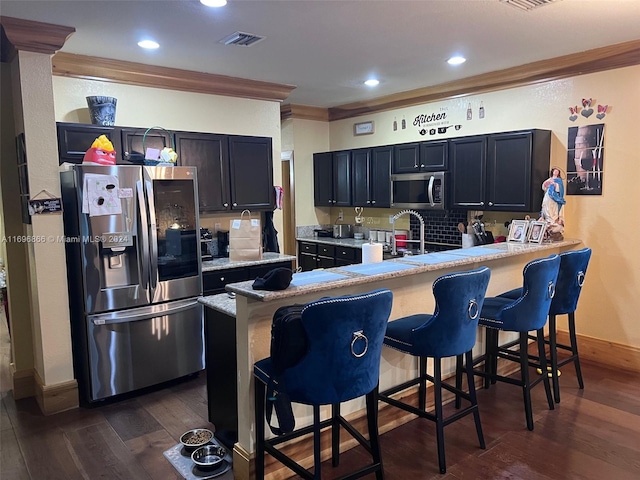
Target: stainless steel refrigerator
(134, 273)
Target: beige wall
(606, 223)
(306, 137)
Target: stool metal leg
(372, 425)
(422, 389)
(542, 355)
(335, 434)
(574, 348)
(472, 394)
(260, 390)
(524, 373)
(553, 350)
(437, 390)
(459, 368)
(317, 459)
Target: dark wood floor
(592, 434)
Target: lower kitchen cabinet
(214, 281)
(318, 255)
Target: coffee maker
(205, 242)
(223, 243)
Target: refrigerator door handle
(153, 237)
(144, 231)
(146, 313)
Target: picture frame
(536, 232)
(363, 128)
(518, 231)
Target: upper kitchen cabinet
(210, 155)
(500, 172)
(75, 139)
(234, 172)
(251, 173)
(371, 184)
(332, 179)
(468, 161)
(420, 157)
(135, 142)
(517, 164)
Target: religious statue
(553, 205)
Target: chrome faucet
(393, 233)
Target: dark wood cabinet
(134, 142)
(214, 281)
(332, 179)
(517, 164)
(312, 255)
(434, 155)
(467, 160)
(75, 139)
(251, 173)
(209, 154)
(500, 172)
(406, 158)
(371, 185)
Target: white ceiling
(327, 48)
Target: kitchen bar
(408, 278)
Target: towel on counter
(100, 195)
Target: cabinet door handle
(491, 204)
(368, 201)
(481, 203)
(225, 204)
(126, 154)
(422, 165)
(222, 279)
(373, 201)
(235, 204)
(415, 165)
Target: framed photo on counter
(536, 232)
(518, 231)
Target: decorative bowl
(195, 438)
(208, 456)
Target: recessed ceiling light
(150, 44)
(214, 3)
(372, 82)
(456, 60)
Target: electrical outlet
(390, 218)
(341, 215)
(217, 227)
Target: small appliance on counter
(206, 239)
(342, 231)
(223, 243)
(322, 233)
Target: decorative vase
(102, 110)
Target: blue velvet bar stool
(343, 338)
(450, 332)
(526, 313)
(573, 268)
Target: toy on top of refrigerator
(100, 153)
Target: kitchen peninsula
(409, 278)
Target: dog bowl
(208, 456)
(195, 438)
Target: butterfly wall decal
(574, 110)
(602, 108)
(586, 102)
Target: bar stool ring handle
(359, 335)
(580, 278)
(551, 289)
(473, 307)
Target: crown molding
(304, 112)
(130, 73)
(590, 61)
(30, 36)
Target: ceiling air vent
(528, 4)
(242, 39)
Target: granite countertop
(221, 302)
(225, 263)
(338, 277)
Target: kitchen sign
(434, 123)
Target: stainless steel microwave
(425, 191)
